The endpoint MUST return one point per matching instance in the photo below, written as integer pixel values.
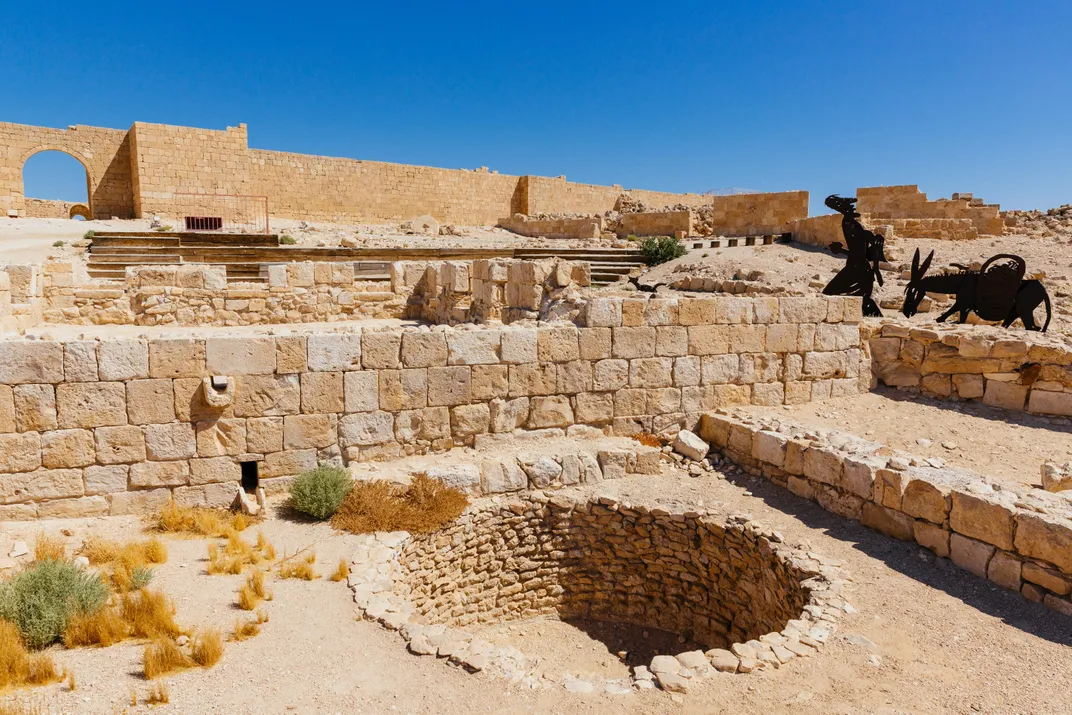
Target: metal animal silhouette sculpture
(865, 252)
(995, 292)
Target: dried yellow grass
(424, 506)
(149, 614)
(199, 521)
(163, 656)
(341, 572)
(104, 628)
(303, 570)
(49, 548)
(236, 554)
(206, 647)
(72, 684)
(158, 695)
(20, 667)
(247, 600)
(245, 630)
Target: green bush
(59, 244)
(41, 599)
(89, 234)
(286, 241)
(163, 229)
(319, 492)
(660, 249)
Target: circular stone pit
(723, 582)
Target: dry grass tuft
(49, 548)
(103, 628)
(424, 506)
(128, 561)
(20, 667)
(341, 572)
(237, 554)
(72, 684)
(149, 614)
(163, 656)
(289, 568)
(158, 695)
(247, 600)
(21, 707)
(245, 631)
(648, 439)
(206, 648)
(199, 521)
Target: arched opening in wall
(55, 184)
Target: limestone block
(969, 554)
(150, 401)
(469, 420)
(823, 465)
(421, 349)
(172, 358)
(1005, 570)
(508, 415)
(610, 375)
(982, 517)
(80, 361)
(926, 500)
(66, 449)
(288, 464)
(612, 463)
(309, 431)
(554, 411)
(473, 347)
(140, 502)
(802, 309)
(671, 341)
(630, 403)
(381, 350)
(594, 343)
(663, 401)
(501, 476)
(533, 379)
(1048, 578)
(858, 475)
(119, 445)
(651, 372)
(366, 428)
(264, 434)
(932, 537)
(491, 381)
(888, 521)
(518, 346)
(91, 404)
(35, 408)
(322, 392)
(122, 359)
(769, 447)
(291, 354)
(824, 364)
(690, 445)
(557, 344)
(77, 507)
(25, 361)
(720, 369)
(240, 356)
(403, 389)
(105, 480)
(1045, 537)
(20, 452)
(634, 342)
(170, 441)
(768, 394)
(361, 391)
(334, 353)
(42, 484)
(267, 396)
(594, 408)
(1007, 395)
(782, 338)
(215, 470)
(687, 371)
(7, 409)
(573, 377)
(448, 386)
(1050, 403)
(207, 496)
(221, 437)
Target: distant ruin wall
(53, 208)
(908, 202)
(757, 214)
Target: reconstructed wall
(1019, 538)
(118, 426)
(757, 214)
(713, 582)
(1012, 369)
(54, 208)
(908, 202)
(590, 227)
(105, 154)
(661, 223)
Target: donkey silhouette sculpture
(865, 252)
(995, 292)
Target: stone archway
(79, 209)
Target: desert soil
(1007, 446)
(925, 637)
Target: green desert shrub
(59, 244)
(319, 492)
(286, 241)
(89, 234)
(41, 599)
(660, 249)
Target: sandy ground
(925, 638)
(1008, 446)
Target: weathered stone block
(240, 356)
(1007, 395)
(403, 389)
(170, 441)
(265, 396)
(381, 350)
(91, 404)
(288, 464)
(140, 502)
(651, 372)
(35, 408)
(533, 379)
(215, 470)
(20, 452)
(448, 386)
(889, 522)
(309, 431)
(552, 411)
(366, 428)
(518, 346)
(1045, 537)
(78, 507)
(264, 435)
(67, 449)
(159, 474)
(150, 401)
(334, 353)
(105, 480)
(221, 437)
(477, 347)
(709, 339)
(119, 445)
(291, 354)
(769, 447)
(926, 500)
(26, 361)
(1005, 570)
(80, 361)
(322, 392)
(823, 465)
(983, 518)
(469, 420)
(420, 349)
(932, 537)
(573, 377)
(361, 391)
(508, 415)
(637, 342)
(969, 554)
(172, 358)
(490, 381)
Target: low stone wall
(541, 227)
(1020, 538)
(1012, 369)
(119, 426)
(657, 223)
(54, 208)
(883, 203)
(707, 284)
(945, 229)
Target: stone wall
(547, 195)
(1011, 369)
(118, 426)
(1019, 538)
(713, 581)
(659, 223)
(757, 214)
(578, 228)
(908, 202)
(54, 208)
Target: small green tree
(660, 249)
(319, 492)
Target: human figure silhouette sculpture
(864, 253)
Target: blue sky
(824, 96)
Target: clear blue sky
(824, 96)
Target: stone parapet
(588, 227)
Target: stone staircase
(247, 256)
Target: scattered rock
(576, 685)
(1056, 477)
(672, 683)
(690, 445)
(19, 548)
